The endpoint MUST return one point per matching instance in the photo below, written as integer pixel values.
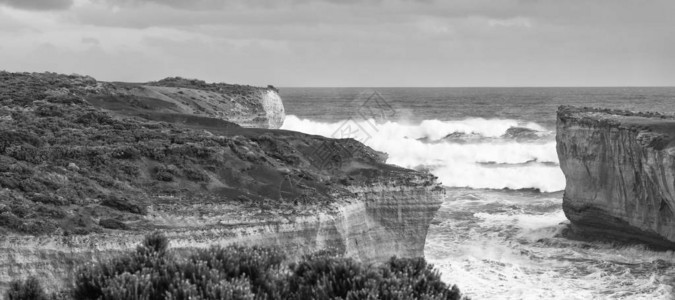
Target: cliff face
(378, 222)
(79, 184)
(620, 172)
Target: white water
(456, 164)
(504, 244)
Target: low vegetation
(67, 167)
(153, 271)
(231, 89)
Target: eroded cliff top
(77, 158)
(658, 129)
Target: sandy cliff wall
(381, 220)
(620, 172)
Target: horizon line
(485, 87)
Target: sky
(376, 43)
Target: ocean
(498, 233)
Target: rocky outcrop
(79, 183)
(620, 172)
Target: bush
(195, 174)
(48, 199)
(125, 152)
(149, 273)
(64, 99)
(10, 137)
(94, 118)
(325, 277)
(155, 242)
(112, 224)
(127, 169)
(237, 272)
(124, 204)
(164, 173)
(26, 290)
(255, 263)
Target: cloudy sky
(347, 42)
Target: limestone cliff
(620, 172)
(86, 171)
(379, 221)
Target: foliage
(30, 289)
(155, 242)
(152, 273)
(237, 272)
(124, 204)
(332, 277)
(232, 89)
(112, 224)
(60, 153)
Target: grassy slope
(70, 167)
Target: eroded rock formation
(620, 172)
(79, 183)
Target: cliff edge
(620, 172)
(87, 170)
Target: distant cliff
(86, 170)
(247, 106)
(620, 171)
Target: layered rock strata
(379, 221)
(620, 172)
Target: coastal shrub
(64, 99)
(195, 174)
(112, 224)
(20, 137)
(164, 173)
(125, 152)
(9, 220)
(326, 277)
(30, 289)
(155, 242)
(151, 273)
(416, 276)
(127, 169)
(94, 118)
(124, 204)
(255, 263)
(237, 272)
(48, 199)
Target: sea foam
(457, 163)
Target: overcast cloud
(346, 43)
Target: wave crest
(497, 155)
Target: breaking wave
(476, 153)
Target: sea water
(498, 233)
